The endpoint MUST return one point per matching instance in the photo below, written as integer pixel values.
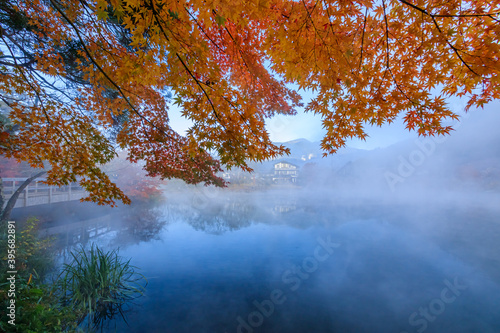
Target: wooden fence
(37, 193)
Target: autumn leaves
(229, 65)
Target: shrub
(97, 284)
(37, 305)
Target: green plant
(32, 252)
(96, 284)
(37, 305)
(37, 309)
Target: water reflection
(68, 235)
(210, 263)
(285, 206)
(126, 227)
(221, 217)
(120, 229)
(142, 224)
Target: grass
(37, 304)
(97, 284)
(94, 287)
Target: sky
(308, 126)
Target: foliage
(32, 253)
(38, 309)
(73, 71)
(10, 168)
(97, 284)
(37, 305)
(132, 180)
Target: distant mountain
(468, 158)
(303, 151)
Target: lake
(290, 261)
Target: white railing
(38, 193)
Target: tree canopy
(83, 78)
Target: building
(285, 172)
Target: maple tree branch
(316, 30)
(5, 213)
(188, 70)
(333, 34)
(203, 30)
(494, 19)
(386, 36)
(239, 49)
(363, 39)
(246, 121)
(51, 86)
(59, 10)
(467, 15)
(455, 50)
(37, 94)
(203, 89)
(200, 83)
(43, 83)
(91, 17)
(10, 64)
(16, 43)
(91, 169)
(360, 98)
(447, 15)
(343, 120)
(433, 17)
(387, 57)
(240, 52)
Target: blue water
(311, 268)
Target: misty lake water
(284, 262)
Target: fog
(220, 257)
(423, 169)
(397, 239)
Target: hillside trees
(87, 69)
(132, 179)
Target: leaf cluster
(91, 77)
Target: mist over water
(401, 239)
(213, 258)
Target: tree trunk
(2, 198)
(5, 213)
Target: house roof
(292, 161)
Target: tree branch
(189, 71)
(59, 10)
(433, 17)
(446, 15)
(5, 213)
(363, 39)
